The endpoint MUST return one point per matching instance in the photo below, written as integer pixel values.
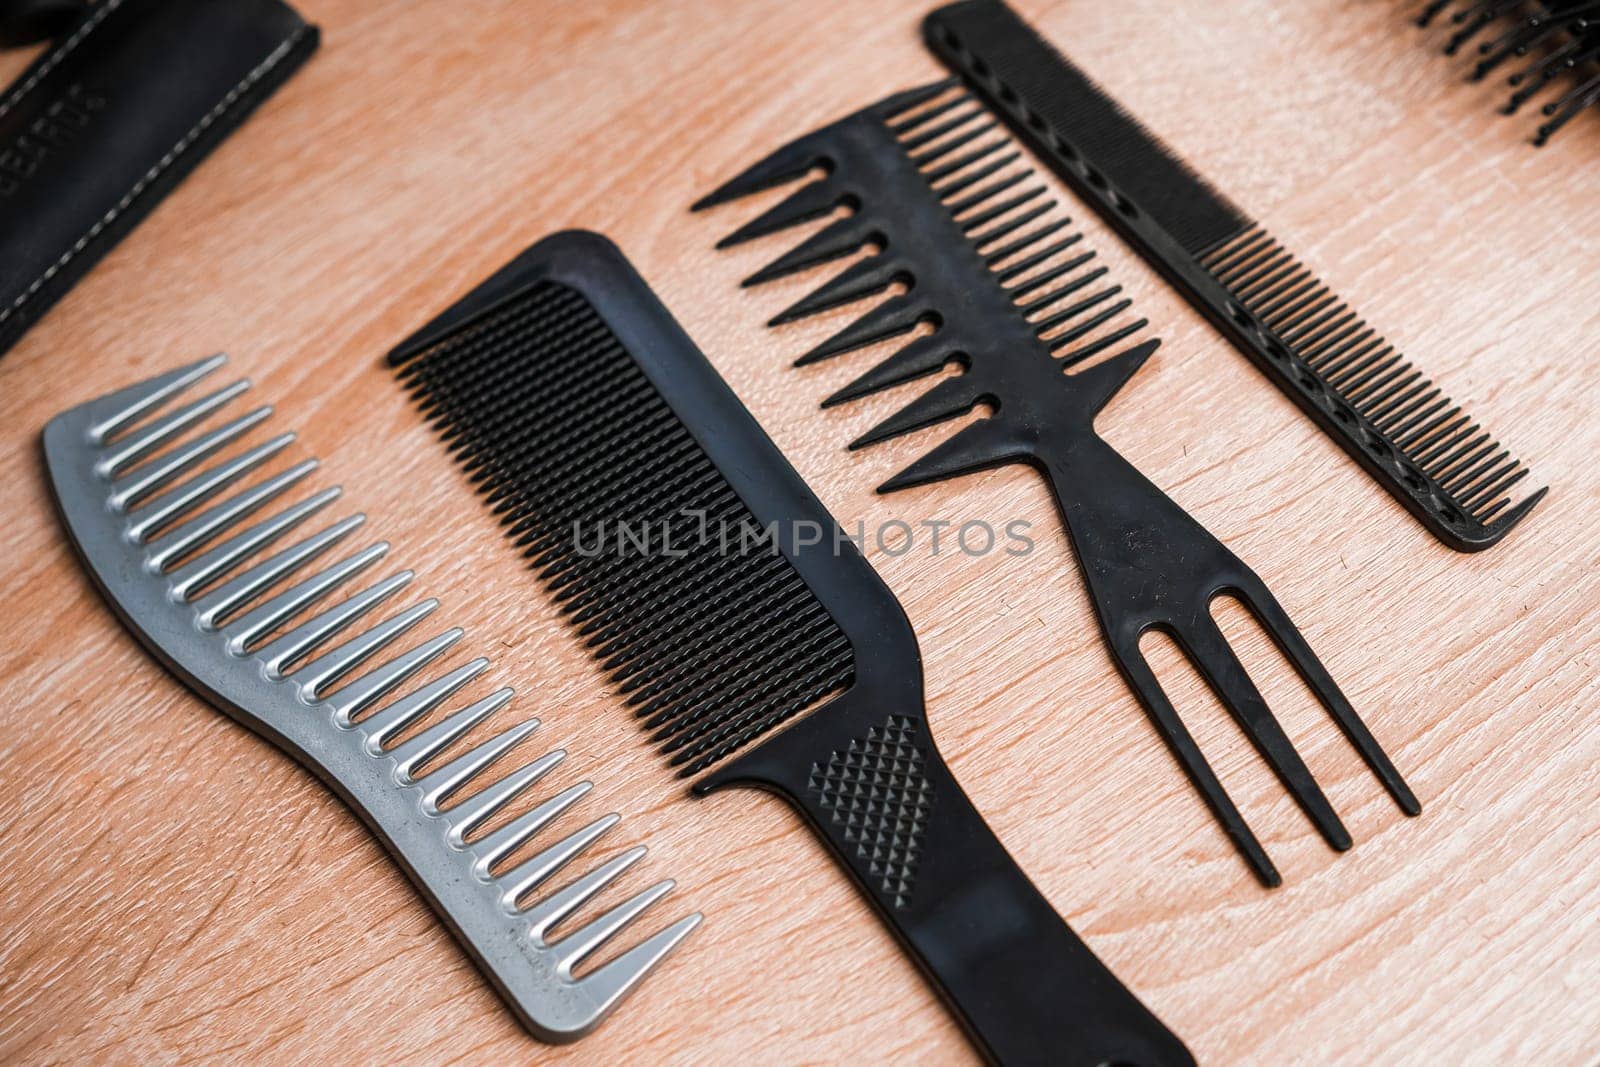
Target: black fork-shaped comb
(1018, 304)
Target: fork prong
(1148, 689)
(1267, 611)
(1217, 663)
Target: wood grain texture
(175, 889)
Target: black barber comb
(1044, 339)
(1541, 45)
(1419, 445)
(725, 603)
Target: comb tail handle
(1149, 565)
(1024, 986)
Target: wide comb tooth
(839, 238)
(608, 985)
(481, 806)
(496, 846)
(579, 944)
(317, 675)
(951, 397)
(439, 784)
(245, 629)
(526, 876)
(111, 413)
(921, 357)
(893, 317)
(411, 755)
(361, 693)
(890, 108)
(127, 490)
(808, 202)
(174, 542)
(156, 513)
(384, 724)
(983, 444)
(242, 588)
(562, 903)
(140, 443)
(214, 563)
(860, 279)
(1100, 382)
(794, 160)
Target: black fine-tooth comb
(1420, 446)
(725, 603)
(1016, 303)
(1561, 36)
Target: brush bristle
(672, 582)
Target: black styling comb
(725, 603)
(1396, 423)
(1558, 39)
(1016, 302)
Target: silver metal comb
(166, 541)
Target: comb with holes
(1411, 438)
(1562, 37)
(1045, 339)
(178, 549)
(750, 637)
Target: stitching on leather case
(173, 154)
(58, 55)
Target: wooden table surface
(172, 887)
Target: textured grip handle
(1025, 987)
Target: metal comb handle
(172, 568)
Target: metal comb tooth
(1014, 318)
(220, 596)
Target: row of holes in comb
(228, 584)
(1569, 31)
(1351, 360)
(562, 432)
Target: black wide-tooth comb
(1419, 445)
(1560, 39)
(725, 603)
(1016, 302)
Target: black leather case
(111, 116)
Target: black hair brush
(1546, 44)
(1044, 339)
(726, 604)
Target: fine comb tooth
(922, 118)
(893, 317)
(837, 239)
(115, 412)
(860, 279)
(410, 755)
(951, 397)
